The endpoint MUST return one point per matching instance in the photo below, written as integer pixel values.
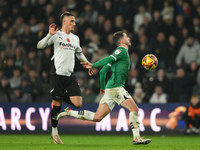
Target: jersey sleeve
(117, 54)
(104, 61)
(103, 74)
(50, 41)
(78, 49)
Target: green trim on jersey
(120, 69)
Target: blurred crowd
(169, 29)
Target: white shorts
(113, 96)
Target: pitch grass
(97, 142)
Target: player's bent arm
(81, 57)
(102, 62)
(43, 42)
(103, 73)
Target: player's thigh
(101, 112)
(73, 88)
(130, 105)
(57, 87)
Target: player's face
(127, 40)
(70, 23)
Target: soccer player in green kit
(114, 92)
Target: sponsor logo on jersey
(117, 52)
(66, 45)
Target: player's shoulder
(74, 36)
(118, 50)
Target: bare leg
(102, 111)
(76, 101)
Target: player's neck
(123, 45)
(65, 31)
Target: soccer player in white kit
(62, 80)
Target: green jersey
(119, 62)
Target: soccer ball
(149, 62)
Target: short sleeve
(78, 48)
(117, 54)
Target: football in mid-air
(149, 62)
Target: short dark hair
(117, 36)
(66, 13)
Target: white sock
(82, 114)
(54, 130)
(135, 125)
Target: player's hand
(90, 72)
(52, 29)
(102, 91)
(86, 65)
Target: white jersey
(65, 48)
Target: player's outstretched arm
(102, 62)
(43, 42)
(103, 74)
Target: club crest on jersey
(68, 40)
(117, 52)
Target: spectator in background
(8, 70)
(167, 10)
(35, 83)
(196, 28)
(7, 36)
(88, 36)
(101, 53)
(109, 45)
(179, 25)
(119, 23)
(10, 48)
(90, 14)
(189, 52)
(107, 29)
(138, 18)
(138, 94)
(162, 80)
(41, 32)
(173, 50)
(15, 81)
(143, 47)
(158, 97)
(93, 46)
(88, 95)
(19, 26)
(100, 23)
(4, 90)
(192, 71)
(33, 61)
(46, 60)
(23, 93)
(155, 26)
(34, 26)
(3, 60)
(108, 11)
(160, 49)
(19, 57)
(192, 116)
(181, 86)
(27, 39)
(184, 35)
